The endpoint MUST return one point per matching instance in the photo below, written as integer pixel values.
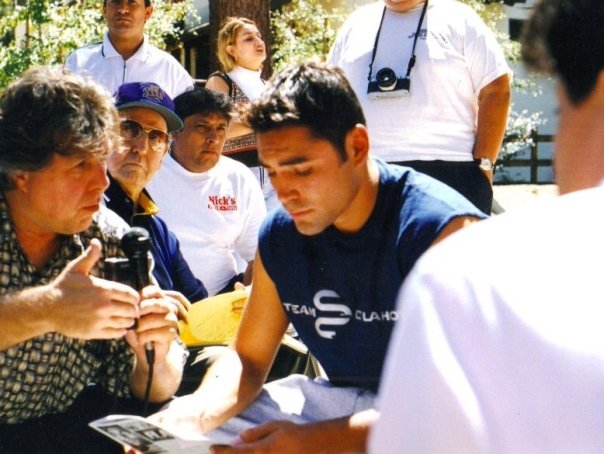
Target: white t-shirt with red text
(216, 216)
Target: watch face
(486, 164)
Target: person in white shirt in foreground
(499, 347)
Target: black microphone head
(136, 241)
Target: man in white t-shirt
(499, 346)
(125, 54)
(213, 203)
(444, 115)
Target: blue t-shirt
(339, 290)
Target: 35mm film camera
(388, 85)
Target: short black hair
(203, 101)
(53, 111)
(566, 38)
(313, 95)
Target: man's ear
(357, 144)
(167, 150)
(20, 179)
(148, 12)
(175, 135)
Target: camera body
(388, 85)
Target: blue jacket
(171, 269)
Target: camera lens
(386, 79)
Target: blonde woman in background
(241, 52)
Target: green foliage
(491, 12)
(303, 30)
(41, 32)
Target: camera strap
(411, 63)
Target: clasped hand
(87, 307)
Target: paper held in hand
(135, 432)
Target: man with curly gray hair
(63, 328)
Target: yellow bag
(213, 320)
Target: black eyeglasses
(132, 130)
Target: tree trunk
(256, 10)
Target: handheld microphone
(136, 244)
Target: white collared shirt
(149, 64)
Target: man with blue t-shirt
(330, 261)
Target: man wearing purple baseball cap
(151, 96)
(147, 119)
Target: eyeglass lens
(131, 130)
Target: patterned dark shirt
(45, 374)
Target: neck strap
(411, 63)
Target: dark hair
(314, 95)
(203, 101)
(48, 111)
(567, 38)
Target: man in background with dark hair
(503, 352)
(69, 351)
(330, 261)
(125, 54)
(212, 203)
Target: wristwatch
(485, 163)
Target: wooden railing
(533, 162)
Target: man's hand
(488, 174)
(181, 303)
(182, 416)
(87, 307)
(273, 437)
(341, 435)
(157, 323)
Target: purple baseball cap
(151, 96)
